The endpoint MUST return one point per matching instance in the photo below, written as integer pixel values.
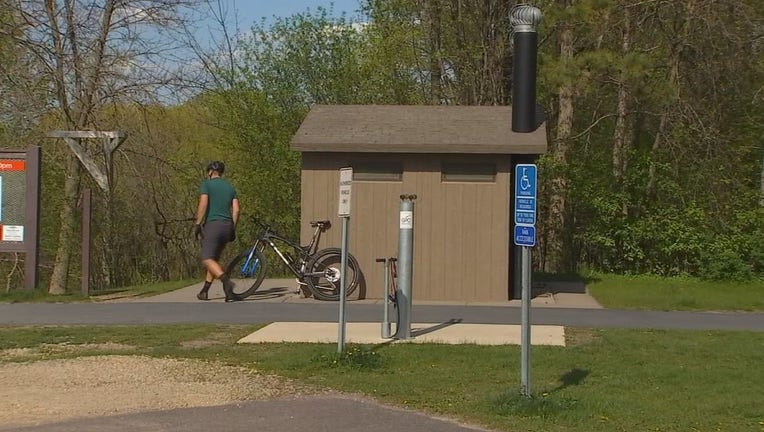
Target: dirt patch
(56, 390)
(43, 350)
(221, 337)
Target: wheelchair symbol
(525, 182)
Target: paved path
(310, 414)
(277, 301)
(254, 312)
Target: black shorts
(216, 234)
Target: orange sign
(12, 164)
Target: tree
(94, 54)
(278, 72)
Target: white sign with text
(346, 182)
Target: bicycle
(319, 270)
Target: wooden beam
(100, 177)
(88, 134)
(112, 141)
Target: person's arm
(235, 211)
(201, 210)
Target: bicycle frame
(270, 238)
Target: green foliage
(285, 68)
(738, 251)
(688, 202)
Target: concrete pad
(370, 333)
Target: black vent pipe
(524, 20)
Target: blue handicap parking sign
(525, 204)
(525, 235)
(525, 194)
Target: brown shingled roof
(415, 129)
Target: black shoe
(202, 295)
(230, 296)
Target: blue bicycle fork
(250, 264)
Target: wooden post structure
(112, 140)
(86, 213)
(104, 178)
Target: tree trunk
(620, 134)
(67, 220)
(556, 244)
(675, 55)
(436, 80)
(621, 131)
(761, 179)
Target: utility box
(458, 160)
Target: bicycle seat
(324, 224)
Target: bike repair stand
(386, 300)
(405, 265)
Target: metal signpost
(346, 182)
(525, 236)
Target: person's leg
(208, 278)
(214, 270)
(216, 234)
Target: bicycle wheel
(249, 267)
(324, 274)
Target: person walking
(215, 225)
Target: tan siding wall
(461, 230)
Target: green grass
(39, 296)
(675, 293)
(604, 380)
(151, 289)
(144, 290)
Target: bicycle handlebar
(260, 224)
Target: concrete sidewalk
(286, 291)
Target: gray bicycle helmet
(217, 166)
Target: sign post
(346, 182)
(525, 236)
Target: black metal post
(524, 19)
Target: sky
(250, 11)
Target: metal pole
(525, 354)
(343, 285)
(405, 260)
(524, 19)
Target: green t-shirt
(221, 195)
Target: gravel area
(53, 390)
